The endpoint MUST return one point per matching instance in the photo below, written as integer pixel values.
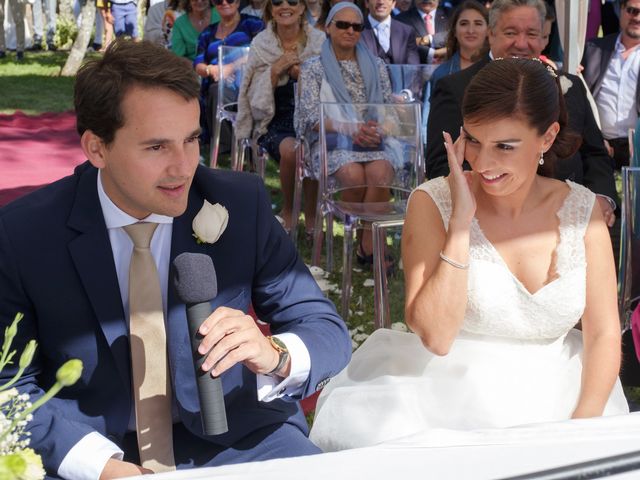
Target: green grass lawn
(34, 86)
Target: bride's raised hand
(462, 200)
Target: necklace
(200, 23)
(226, 28)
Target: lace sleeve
(574, 216)
(438, 190)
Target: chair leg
(215, 140)
(234, 151)
(347, 256)
(317, 234)
(297, 200)
(381, 291)
(329, 240)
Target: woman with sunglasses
(234, 29)
(266, 104)
(321, 22)
(346, 72)
(184, 35)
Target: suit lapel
(93, 258)
(395, 46)
(178, 338)
(418, 23)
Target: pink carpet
(35, 151)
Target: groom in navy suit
(64, 263)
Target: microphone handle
(212, 409)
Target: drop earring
(541, 161)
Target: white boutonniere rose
(210, 223)
(565, 84)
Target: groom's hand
(230, 337)
(119, 469)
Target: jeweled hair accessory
(549, 68)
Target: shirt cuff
(272, 387)
(87, 458)
(608, 199)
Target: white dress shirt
(382, 31)
(616, 99)
(87, 458)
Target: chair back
(629, 268)
(343, 140)
(231, 66)
(411, 83)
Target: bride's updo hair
(525, 89)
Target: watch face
(279, 344)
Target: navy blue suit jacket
(56, 266)
(402, 43)
(441, 22)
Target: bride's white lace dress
(517, 359)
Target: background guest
(466, 40)
(346, 72)
(161, 17)
(430, 24)
(267, 101)
(387, 38)
(234, 29)
(125, 18)
(611, 66)
(17, 12)
(326, 6)
(184, 36)
(255, 8)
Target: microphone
(195, 282)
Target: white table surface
(448, 454)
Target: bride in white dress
(500, 264)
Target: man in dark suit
(611, 65)
(430, 25)
(515, 30)
(67, 263)
(389, 39)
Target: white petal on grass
(399, 326)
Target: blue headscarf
(366, 63)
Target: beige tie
(151, 386)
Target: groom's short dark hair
(102, 83)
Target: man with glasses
(611, 65)
(430, 25)
(391, 40)
(515, 30)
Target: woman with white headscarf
(346, 72)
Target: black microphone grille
(194, 277)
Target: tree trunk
(79, 48)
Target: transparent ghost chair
(368, 160)
(231, 64)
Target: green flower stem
(9, 335)
(15, 378)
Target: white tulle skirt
(394, 387)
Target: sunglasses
(292, 3)
(633, 11)
(220, 2)
(342, 25)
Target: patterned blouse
(308, 110)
